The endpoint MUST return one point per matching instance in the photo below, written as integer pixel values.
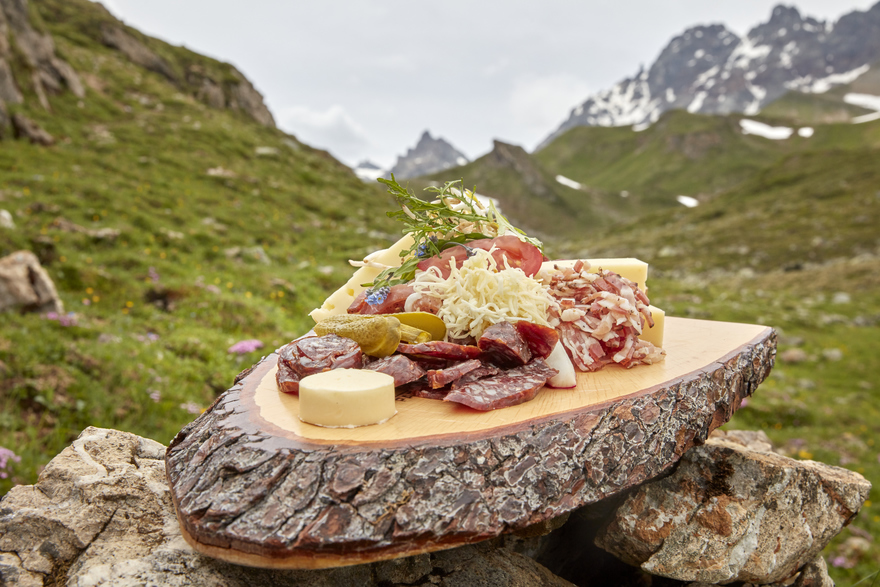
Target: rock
(101, 514)
(113, 36)
(244, 96)
(814, 574)
(25, 128)
(25, 284)
(729, 514)
(793, 356)
(96, 233)
(6, 220)
(756, 440)
(49, 73)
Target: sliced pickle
(377, 335)
(423, 321)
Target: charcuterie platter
(256, 481)
(254, 485)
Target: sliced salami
(438, 378)
(438, 349)
(402, 368)
(508, 388)
(287, 379)
(479, 373)
(503, 346)
(315, 354)
(540, 339)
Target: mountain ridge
(709, 69)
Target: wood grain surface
(252, 484)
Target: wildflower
(154, 275)
(155, 395)
(744, 402)
(7, 455)
(243, 347)
(191, 407)
(376, 296)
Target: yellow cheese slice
(346, 398)
(654, 334)
(341, 299)
(633, 269)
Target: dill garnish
(455, 217)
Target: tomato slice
(518, 254)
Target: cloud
(538, 104)
(332, 129)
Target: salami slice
(438, 349)
(315, 354)
(540, 339)
(508, 388)
(503, 346)
(478, 373)
(438, 378)
(402, 368)
(287, 379)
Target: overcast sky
(365, 79)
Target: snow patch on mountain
(712, 70)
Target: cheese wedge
(341, 299)
(346, 398)
(633, 269)
(655, 334)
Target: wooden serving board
(254, 485)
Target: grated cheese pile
(480, 294)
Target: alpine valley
(186, 235)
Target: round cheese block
(346, 398)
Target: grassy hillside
(203, 259)
(795, 246)
(230, 230)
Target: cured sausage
(315, 354)
(402, 368)
(508, 388)
(503, 346)
(438, 349)
(540, 339)
(438, 378)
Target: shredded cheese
(480, 294)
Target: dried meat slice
(479, 373)
(438, 349)
(287, 379)
(315, 354)
(438, 378)
(508, 388)
(540, 339)
(503, 346)
(402, 368)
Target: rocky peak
(430, 155)
(711, 70)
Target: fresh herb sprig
(454, 218)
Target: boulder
(25, 284)
(49, 73)
(729, 514)
(25, 128)
(101, 514)
(113, 36)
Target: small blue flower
(376, 296)
(422, 251)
